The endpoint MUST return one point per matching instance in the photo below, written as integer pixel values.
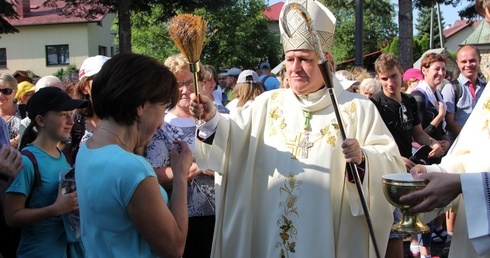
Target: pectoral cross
(296, 145)
(304, 144)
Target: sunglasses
(6, 91)
(403, 113)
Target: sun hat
(253, 77)
(346, 83)
(52, 98)
(413, 73)
(234, 72)
(23, 88)
(91, 66)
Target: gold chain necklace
(117, 136)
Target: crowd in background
(129, 117)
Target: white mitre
(323, 22)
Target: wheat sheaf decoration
(188, 32)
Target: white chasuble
(282, 189)
(470, 154)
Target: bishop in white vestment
(281, 186)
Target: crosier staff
(327, 78)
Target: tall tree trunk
(124, 16)
(405, 44)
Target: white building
(48, 41)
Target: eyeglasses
(186, 83)
(403, 113)
(6, 91)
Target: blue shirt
(270, 83)
(106, 179)
(46, 238)
(466, 103)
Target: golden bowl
(394, 187)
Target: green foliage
(423, 26)
(7, 10)
(89, 9)
(150, 36)
(469, 12)
(392, 47)
(419, 4)
(378, 26)
(60, 73)
(420, 45)
(242, 37)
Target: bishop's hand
(352, 151)
(202, 108)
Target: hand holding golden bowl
(396, 186)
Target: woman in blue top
(124, 212)
(37, 208)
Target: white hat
(323, 22)
(48, 81)
(233, 71)
(91, 66)
(346, 83)
(243, 77)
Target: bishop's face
(302, 70)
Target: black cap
(52, 98)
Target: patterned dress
(200, 190)
(13, 124)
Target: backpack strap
(37, 175)
(265, 79)
(458, 92)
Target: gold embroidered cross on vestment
(301, 142)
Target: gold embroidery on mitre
(288, 232)
(323, 21)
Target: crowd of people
(245, 163)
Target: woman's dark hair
(29, 134)
(127, 81)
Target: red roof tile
(272, 12)
(40, 15)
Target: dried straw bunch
(188, 32)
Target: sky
(449, 13)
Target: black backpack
(458, 92)
(10, 237)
